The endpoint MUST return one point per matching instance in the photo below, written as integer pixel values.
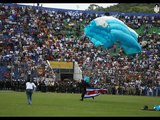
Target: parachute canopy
(156, 107)
(107, 30)
(87, 79)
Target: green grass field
(69, 105)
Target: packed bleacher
(31, 35)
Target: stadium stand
(31, 35)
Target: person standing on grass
(30, 87)
(84, 86)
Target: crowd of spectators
(29, 36)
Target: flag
(93, 92)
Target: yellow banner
(61, 65)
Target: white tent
(77, 72)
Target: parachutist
(84, 87)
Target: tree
(126, 7)
(93, 7)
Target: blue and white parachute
(107, 30)
(156, 107)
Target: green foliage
(67, 104)
(127, 7)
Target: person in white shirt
(30, 87)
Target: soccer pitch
(69, 105)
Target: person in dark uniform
(84, 86)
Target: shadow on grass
(148, 110)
